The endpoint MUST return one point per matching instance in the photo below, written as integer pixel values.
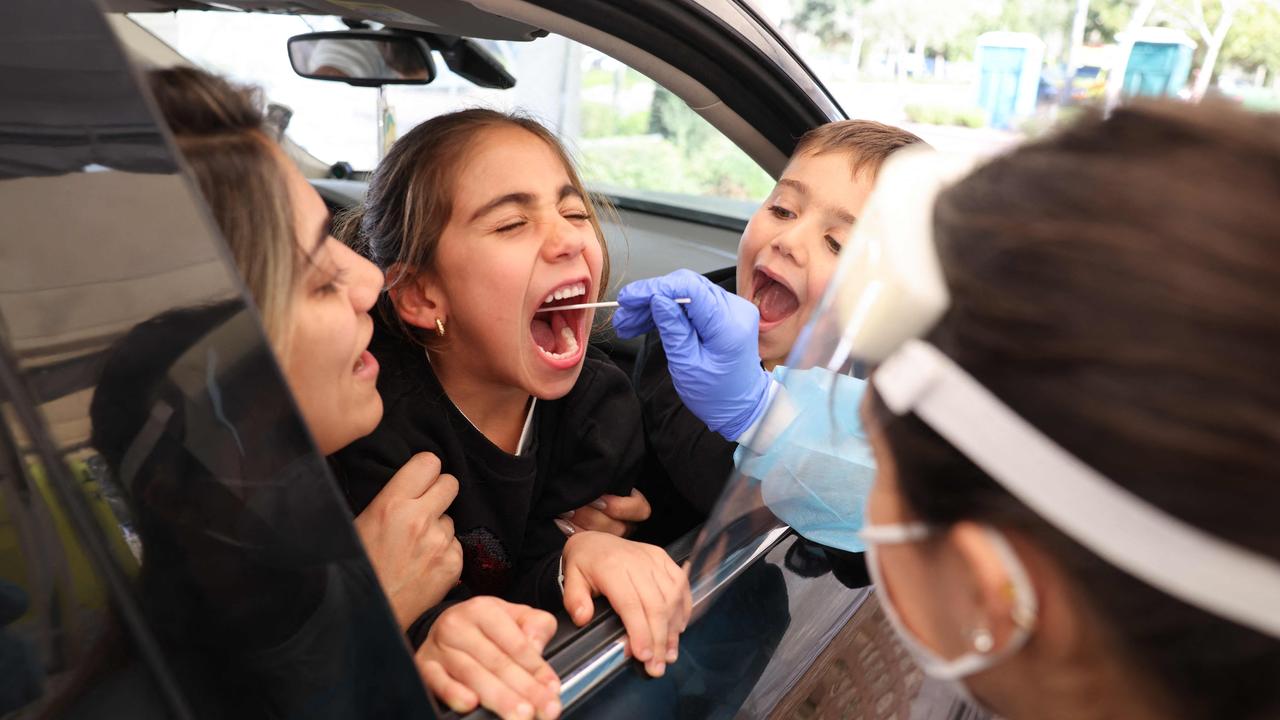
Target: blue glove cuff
(736, 428)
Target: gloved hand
(711, 344)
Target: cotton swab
(580, 306)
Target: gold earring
(439, 327)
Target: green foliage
(667, 148)
(926, 114)
(1254, 40)
(600, 120)
(600, 77)
(831, 21)
(677, 122)
(645, 162)
(1106, 18)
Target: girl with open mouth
(485, 232)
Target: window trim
(606, 662)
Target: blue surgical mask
(816, 473)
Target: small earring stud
(439, 327)
(982, 640)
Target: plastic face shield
(888, 291)
(808, 464)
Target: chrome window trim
(610, 660)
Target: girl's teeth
(566, 292)
(571, 346)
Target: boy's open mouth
(773, 297)
(559, 335)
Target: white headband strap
(1222, 578)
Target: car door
(171, 545)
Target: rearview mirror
(366, 58)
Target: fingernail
(551, 709)
(459, 707)
(598, 504)
(658, 669)
(524, 711)
(565, 515)
(565, 527)
(673, 655)
(644, 655)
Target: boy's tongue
(776, 302)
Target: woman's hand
(487, 651)
(410, 540)
(648, 591)
(613, 514)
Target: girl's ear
(418, 298)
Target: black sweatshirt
(696, 461)
(585, 444)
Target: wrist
(757, 400)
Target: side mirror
(365, 58)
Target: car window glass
(170, 542)
(630, 135)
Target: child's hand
(409, 539)
(614, 514)
(648, 591)
(486, 651)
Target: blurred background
(970, 76)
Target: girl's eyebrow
(521, 198)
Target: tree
(834, 23)
(1108, 18)
(1211, 23)
(1253, 42)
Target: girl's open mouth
(560, 335)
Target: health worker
(1065, 466)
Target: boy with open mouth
(785, 259)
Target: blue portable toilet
(1008, 75)
(1158, 62)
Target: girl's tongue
(553, 334)
(775, 301)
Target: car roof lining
(518, 20)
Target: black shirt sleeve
(695, 459)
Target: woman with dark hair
(1073, 414)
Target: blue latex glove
(711, 344)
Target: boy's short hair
(867, 143)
